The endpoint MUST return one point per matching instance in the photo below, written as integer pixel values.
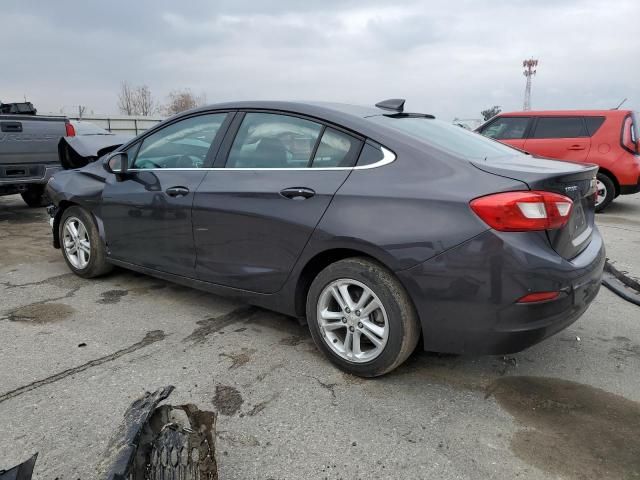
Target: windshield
(88, 128)
(447, 137)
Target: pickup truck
(29, 151)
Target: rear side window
(446, 137)
(336, 149)
(267, 140)
(507, 128)
(593, 124)
(560, 127)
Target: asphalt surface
(75, 353)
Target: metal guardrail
(129, 125)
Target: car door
(253, 216)
(147, 211)
(509, 130)
(564, 138)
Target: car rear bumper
(466, 297)
(630, 189)
(14, 178)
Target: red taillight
(523, 211)
(539, 297)
(71, 132)
(628, 139)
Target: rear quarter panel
(607, 153)
(408, 211)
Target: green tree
(490, 112)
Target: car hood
(76, 152)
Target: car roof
(541, 113)
(351, 117)
(311, 108)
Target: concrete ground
(76, 352)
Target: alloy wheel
(77, 246)
(352, 320)
(601, 190)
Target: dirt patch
(259, 407)
(625, 349)
(40, 313)
(237, 439)
(112, 296)
(216, 324)
(573, 430)
(227, 400)
(239, 359)
(292, 341)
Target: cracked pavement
(76, 352)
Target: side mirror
(118, 163)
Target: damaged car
(380, 228)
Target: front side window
(268, 140)
(560, 127)
(184, 144)
(507, 128)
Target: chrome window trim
(387, 158)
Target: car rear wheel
(606, 191)
(82, 247)
(361, 317)
(34, 196)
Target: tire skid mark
(150, 338)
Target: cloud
(452, 59)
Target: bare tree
(143, 101)
(136, 100)
(181, 100)
(126, 99)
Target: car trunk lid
(573, 180)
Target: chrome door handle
(177, 191)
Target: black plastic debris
(24, 471)
(621, 283)
(155, 443)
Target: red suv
(607, 138)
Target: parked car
(29, 150)
(607, 138)
(376, 225)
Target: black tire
(404, 328)
(610, 189)
(34, 196)
(97, 264)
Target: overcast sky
(450, 58)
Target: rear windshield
(447, 137)
(636, 125)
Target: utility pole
(529, 71)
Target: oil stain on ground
(215, 324)
(238, 359)
(573, 430)
(227, 400)
(112, 296)
(40, 313)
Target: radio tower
(529, 71)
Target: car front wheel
(82, 247)
(361, 317)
